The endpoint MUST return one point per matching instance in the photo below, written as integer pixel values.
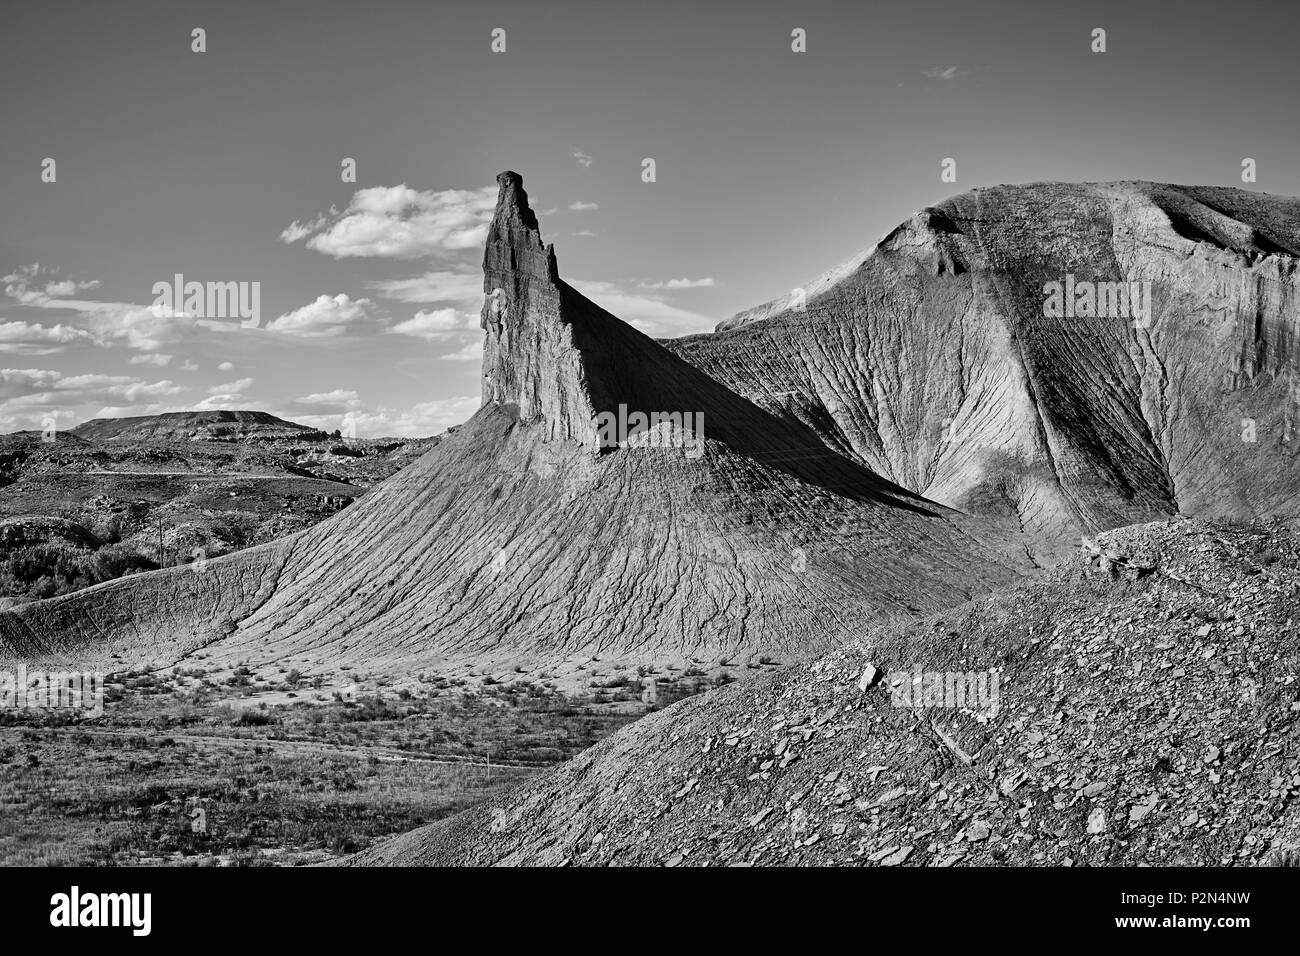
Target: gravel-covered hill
(1146, 712)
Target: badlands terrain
(113, 496)
(913, 461)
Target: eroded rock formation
(529, 538)
(923, 430)
(932, 359)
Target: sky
(771, 166)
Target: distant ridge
(182, 425)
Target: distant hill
(160, 490)
(200, 426)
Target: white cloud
(583, 206)
(28, 396)
(434, 326)
(223, 367)
(419, 421)
(67, 287)
(945, 73)
(225, 396)
(583, 159)
(33, 386)
(120, 411)
(152, 358)
(426, 418)
(24, 284)
(585, 232)
(397, 222)
(219, 403)
(462, 288)
(672, 284)
(337, 402)
(471, 352)
(232, 388)
(145, 328)
(650, 314)
(26, 338)
(301, 230)
(327, 316)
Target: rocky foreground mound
(1145, 712)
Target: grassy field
(187, 768)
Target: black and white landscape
(399, 471)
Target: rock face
(530, 361)
(933, 359)
(609, 499)
(1093, 718)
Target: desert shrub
(370, 708)
(114, 560)
(43, 571)
(107, 530)
(255, 718)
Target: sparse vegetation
(86, 508)
(282, 781)
(45, 571)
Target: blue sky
(771, 167)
